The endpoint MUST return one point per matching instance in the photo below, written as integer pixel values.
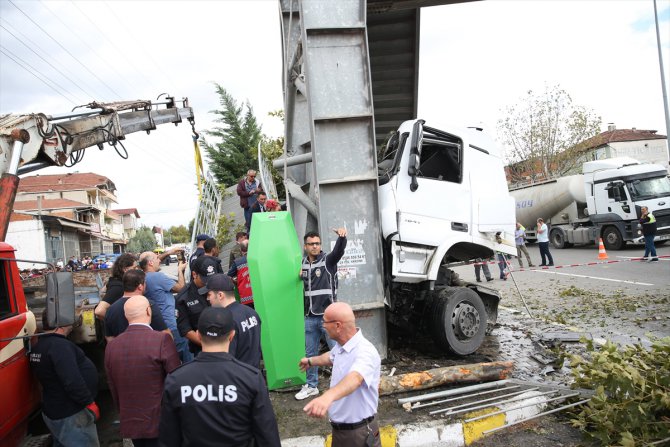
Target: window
(619, 191)
(5, 303)
(441, 160)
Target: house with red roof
(646, 146)
(63, 215)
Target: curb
(438, 433)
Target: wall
(27, 237)
(646, 151)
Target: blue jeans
(76, 430)
(649, 246)
(544, 253)
(181, 344)
(502, 263)
(247, 217)
(313, 332)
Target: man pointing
(351, 402)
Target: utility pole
(665, 93)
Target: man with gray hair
(248, 189)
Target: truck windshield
(650, 188)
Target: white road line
(595, 277)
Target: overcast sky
(476, 59)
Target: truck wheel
(459, 320)
(612, 239)
(557, 238)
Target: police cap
(215, 322)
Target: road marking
(595, 277)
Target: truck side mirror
(60, 299)
(413, 168)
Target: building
(129, 220)
(63, 215)
(646, 146)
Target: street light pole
(665, 93)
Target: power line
(49, 63)
(141, 47)
(66, 50)
(2, 50)
(104, 36)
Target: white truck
(602, 202)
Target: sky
(476, 59)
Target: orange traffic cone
(602, 254)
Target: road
(625, 301)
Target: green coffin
(274, 261)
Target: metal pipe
(519, 291)
(521, 406)
(299, 195)
(437, 402)
(493, 400)
(293, 161)
(660, 65)
(555, 410)
(454, 392)
(67, 115)
(516, 399)
(15, 159)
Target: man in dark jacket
(190, 302)
(217, 400)
(69, 386)
(319, 274)
(247, 189)
(648, 222)
(137, 362)
(246, 346)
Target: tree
(543, 134)
(142, 241)
(178, 235)
(240, 133)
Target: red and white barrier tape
(547, 267)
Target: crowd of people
(184, 361)
(184, 358)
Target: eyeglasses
(331, 321)
(251, 176)
(313, 244)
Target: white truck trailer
(602, 202)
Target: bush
(631, 405)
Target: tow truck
(27, 143)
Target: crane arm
(35, 141)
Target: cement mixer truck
(602, 202)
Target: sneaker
(306, 391)
(543, 265)
(550, 265)
(531, 265)
(479, 280)
(489, 279)
(653, 260)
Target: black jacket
(246, 346)
(320, 278)
(116, 322)
(189, 305)
(217, 400)
(69, 378)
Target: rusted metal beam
(476, 372)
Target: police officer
(189, 303)
(246, 346)
(217, 400)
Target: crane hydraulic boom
(35, 141)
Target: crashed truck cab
(443, 197)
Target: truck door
(613, 198)
(433, 200)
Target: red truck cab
(18, 387)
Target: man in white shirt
(351, 402)
(543, 242)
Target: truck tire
(558, 238)
(459, 320)
(612, 239)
